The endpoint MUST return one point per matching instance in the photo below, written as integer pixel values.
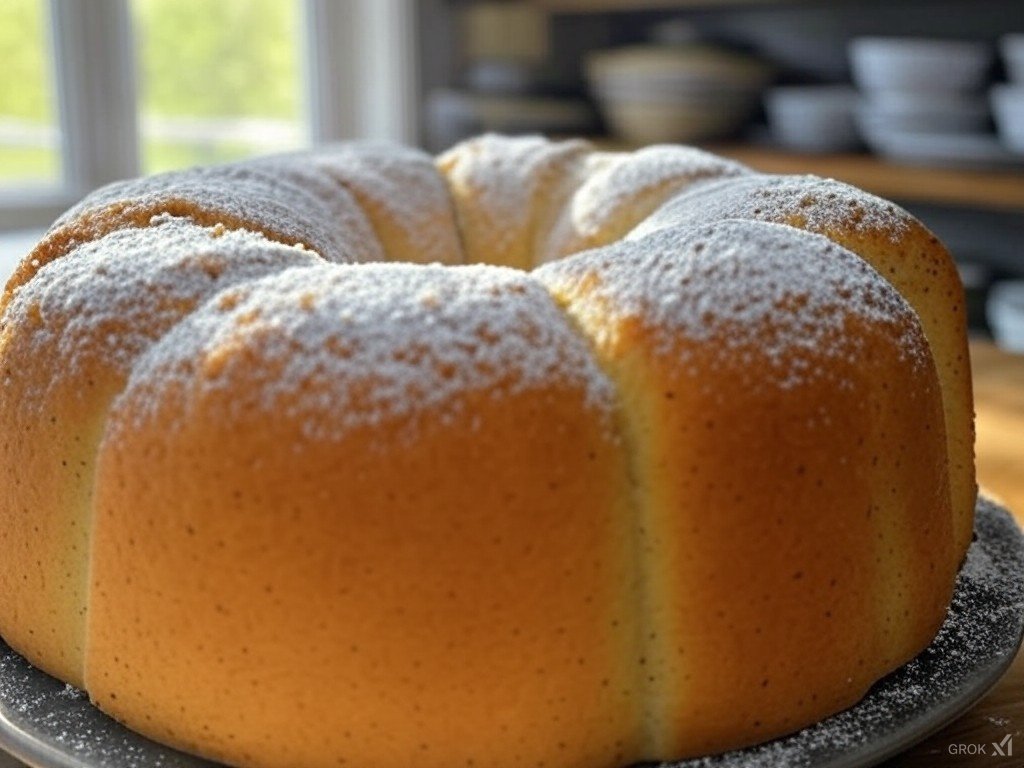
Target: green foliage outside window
(26, 98)
(198, 60)
(218, 59)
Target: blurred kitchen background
(921, 101)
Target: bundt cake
(653, 457)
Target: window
(109, 89)
(30, 151)
(218, 81)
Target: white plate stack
(923, 101)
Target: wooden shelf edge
(1000, 190)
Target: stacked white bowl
(652, 93)
(812, 118)
(923, 100)
(1008, 98)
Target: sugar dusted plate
(50, 725)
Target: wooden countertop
(999, 408)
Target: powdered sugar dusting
(496, 180)
(336, 348)
(747, 287)
(620, 189)
(283, 196)
(404, 196)
(809, 202)
(46, 722)
(108, 300)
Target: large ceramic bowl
(652, 94)
(654, 121)
(656, 68)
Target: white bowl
(1008, 108)
(1012, 48)
(1005, 312)
(919, 64)
(929, 112)
(813, 118)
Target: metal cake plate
(48, 724)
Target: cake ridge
(404, 356)
(739, 295)
(781, 199)
(96, 309)
(294, 198)
(617, 190)
(399, 188)
(173, 257)
(505, 189)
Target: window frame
(359, 73)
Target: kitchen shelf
(611, 6)
(997, 189)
